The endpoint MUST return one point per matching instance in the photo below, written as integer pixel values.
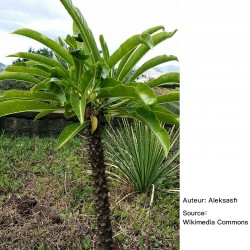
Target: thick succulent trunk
(101, 200)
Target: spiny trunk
(101, 201)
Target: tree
(41, 51)
(81, 82)
(11, 84)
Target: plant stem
(100, 193)
(118, 104)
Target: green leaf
(61, 51)
(147, 40)
(104, 46)
(109, 102)
(167, 118)
(174, 108)
(141, 51)
(149, 118)
(127, 56)
(19, 77)
(86, 80)
(79, 104)
(36, 65)
(70, 131)
(170, 97)
(104, 70)
(60, 41)
(18, 106)
(147, 94)
(42, 59)
(164, 110)
(83, 28)
(113, 88)
(78, 38)
(165, 79)
(44, 113)
(154, 29)
(33, 71)
(63, 82)
(123, 62)
(151, 64)
(110, 83)
(71, 42)
(79, 54)
(27, 95)
(76, 30)
(124, 48)
(41, 86)
(58, 89)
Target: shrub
(135, 156)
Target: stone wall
(24, 124)
(50, 125)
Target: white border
(215, 119)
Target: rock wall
(50, 125)
(24, 124)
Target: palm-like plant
(137, 156)
(82, 83)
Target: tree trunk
(101, 200)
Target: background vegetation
(20, 85)
(46, 201)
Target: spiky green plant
(80, 82)
(136, 156)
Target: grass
(32, 169)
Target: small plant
(137, 156)
(87, 242)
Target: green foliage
(84, 81)
(150, 64)
(24, 85)
(69, 132)
(136, 156)
(42, 51)
(165, 80)
(57, 48)
(18, 76)
(86, 243)
(83, 85)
